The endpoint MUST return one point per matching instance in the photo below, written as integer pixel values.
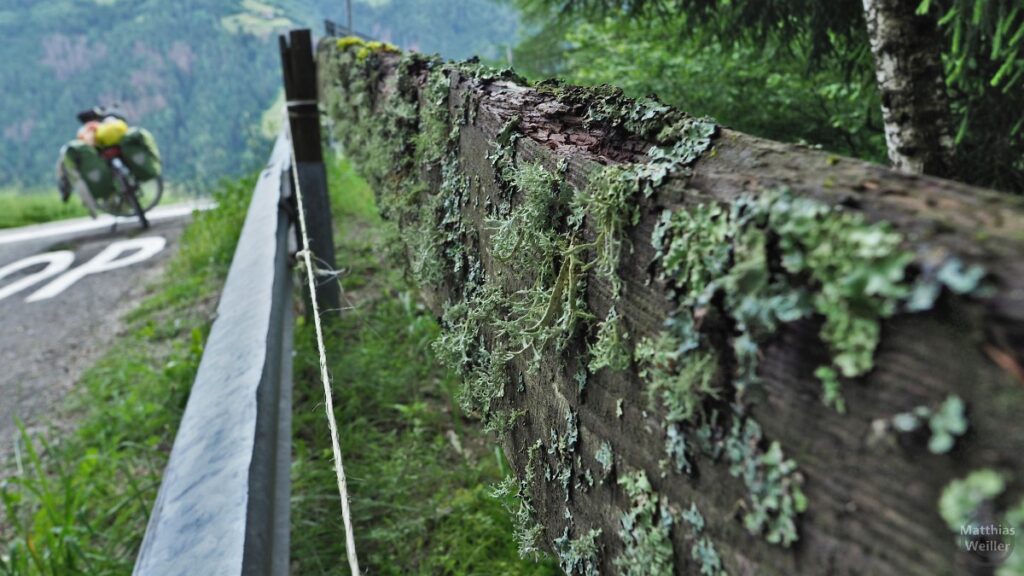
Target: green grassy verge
(80, 505)
(21, 209)
(420, 473)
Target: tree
(915, 105)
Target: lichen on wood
(617, 272)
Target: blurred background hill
(201, 74)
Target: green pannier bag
(83, 163)
(138, 148)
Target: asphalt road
(64, 287)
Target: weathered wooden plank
(872, 499)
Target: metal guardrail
(223, 506)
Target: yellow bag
(110, 132)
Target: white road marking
(56, 262)
(109, 259)
(78, 225)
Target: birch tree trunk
(908, 66)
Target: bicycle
(132, 198)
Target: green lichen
(774, 492)
(465, 347)
(434, 136)
(703, 550)
(579, 555)
(606, 458)
(859, 269)
(962, 503)
(518, 498)
(852, 273)
(610, 350)
(526, 237)
(676, 449)
(645, 530)
(677, 377)
(962, 498)
(946, 422)
(501, 422)
(610, 198)
(692, 249)
(562, 447)
(952, 274)
(581, 376)
(365, 48)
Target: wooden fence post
(300, 89)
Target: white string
(339, 468)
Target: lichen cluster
(703, 550)
(946, 422)
(515, 267)
(645, 529)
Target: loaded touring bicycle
(114, 168)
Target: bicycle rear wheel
(147, 195)
(133, 200)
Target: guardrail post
(300, 89)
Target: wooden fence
(702, 351)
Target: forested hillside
(199, 73)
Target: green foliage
(763, 89)
(961, 498)
(459, 30)
(984, 60)
(81, 504)
(795, 71)
(645, 530)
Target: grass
(21, 209)
(80, 505)
(420, 473)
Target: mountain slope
(198, 73)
